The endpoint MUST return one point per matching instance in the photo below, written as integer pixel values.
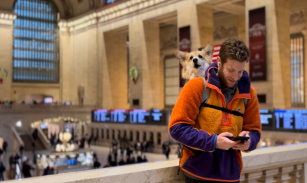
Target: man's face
(230, 72)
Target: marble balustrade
(287, 164)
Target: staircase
(27, 140)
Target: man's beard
(223, 78)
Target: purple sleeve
(254, 137)
(191, 137)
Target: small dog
(195, 63)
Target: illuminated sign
(102, 115)
(291, 119)
(277, 120)
(119, 115)
(267, 117)
(134, 116)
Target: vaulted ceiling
(67, 8)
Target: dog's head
(195, 63)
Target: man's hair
(234, 49)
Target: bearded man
(206, 128)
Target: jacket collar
(212, 78)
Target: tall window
(36, 48)
(297, 70)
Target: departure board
(267, 117)
(133, 116)
(291, 119)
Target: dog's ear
(208, 51)
(181, 57)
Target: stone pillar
(304, 174)
(296, 174)
(66, 73)
(268, 175)
(278, 52)
(284, 174)
(282, 8)
(147, 136)
(135, 137)
(6, 45)
(200, 20)
(243, 178)
(114, 71)
(144, 54)
(254, 177)
(305, 54)
(242, 33)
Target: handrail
(16, 135)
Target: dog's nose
(195, 60)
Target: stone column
(148, 136)
(243, 178)
(304, 174)
(268, 175)
(278, 52)
(254, 177)
(144, 54)
(296, 174)
(305, 54)
(114, 71)
(200, 20)
(6, 45)
(284, 174)
(66, 63)
(135, 137)
(242, 33)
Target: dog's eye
(199, 56)
(191, 57)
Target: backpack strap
(205, 96)
(245, 100)
(204, 99)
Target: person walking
(26, 169)
(2, 170)
(205, 127)
(4, 146)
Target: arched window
(36, 43)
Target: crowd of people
(124, 156)
(34, 102)
(18, 167)
(7, 102)
(121, 153)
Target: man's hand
(243, 146)
(222, 142)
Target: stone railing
(276, 164)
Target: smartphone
(240, 138)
